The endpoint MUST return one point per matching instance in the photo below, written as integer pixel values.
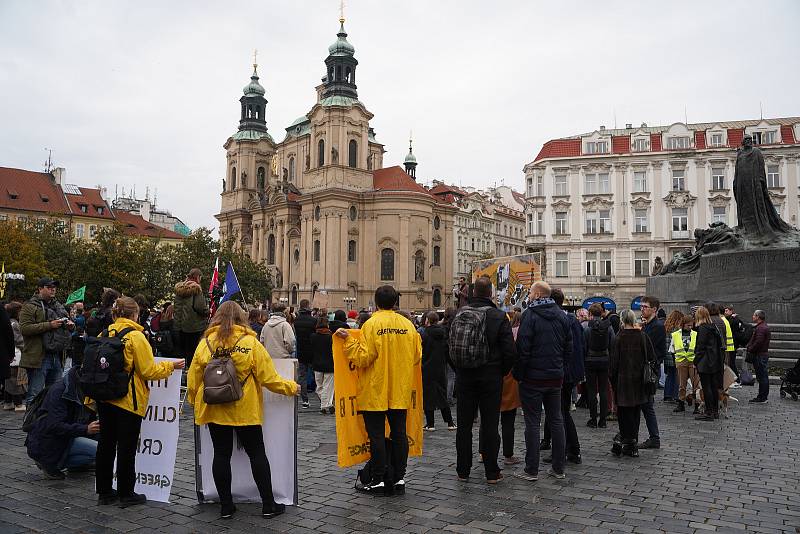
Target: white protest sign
(280, 442)
(158, 439)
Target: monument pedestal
(766, 279)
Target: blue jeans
(47, 374)
(670, 383)
(81, 452)
(532, 400)
(650, 419)
(762, 375)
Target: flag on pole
(231, 286)
(77, 296)
(214, 282)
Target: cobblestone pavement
(728, 476)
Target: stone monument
(755, 265)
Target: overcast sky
(145, 93)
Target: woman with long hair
(230, 335)
(671, 387)
(709, 360)
(633, 351)
(121, 419)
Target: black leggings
(382, 465)
(187, 344)
(252, 440)
(597, 383)
(447, 415)
(711, 384)
(119, 436)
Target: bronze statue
(658, 264)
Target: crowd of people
(491, 361)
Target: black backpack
(103, 375)
(469, 347)
(598, 339)
(34, 412)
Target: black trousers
(570, 433)
(507, 419)
(711, 384)
(375, 424)
(119, 436)
(628, 418)
(446, 415)
(187, 344)
(597, 383)
(478, 390)
(732, 363)
(252, 440)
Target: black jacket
(658, 337)
(6, 343)
(632, 351)
(434, 362)
(598, 357)
(708, 350)
(503, 353)
(322, 349)
(66, 418)
(304, 326)
(544, 343)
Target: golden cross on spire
(341, 11)
(255, 58)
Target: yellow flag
(351, 436)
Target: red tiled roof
(787, 134)
(137, 225)
(519, 196)
(735, 136)
(441, 189)
(655, 142)
(621, 144)
(560, 148)
(33, 191)
(700, 139)
(395, 179)
(92, 199)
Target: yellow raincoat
(139, 353)
(387, 352)
(249, 357)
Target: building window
(84, 208)
(773, 176)
(680, 223)
(92, 231)
(641, 144)
(590, 184)
(291, 169)
(562, 264)
(598, 222)
(437, 297)
(317, 213)
(3, 217)
(597, 183)
(79, 230)
(598, 266)
(677, 143)
(437, 222)
(640, 220)
(561, 185)
(778, 209)
(459, 242)
(719, 214)
(100, 210)
(561, 223)
(351, 250)
(597, 147)
(294, 296)
(678, 180)
(352, 153)
(353, 213)
(640, 182)
(271, 249)
(764, 137)
(387, 264)
(539, 186)
(716, 140)
(591, 264)
(473, 244)
(529, 182)
(718, 178)
(641, 263)
(437, 253)
(604, 183)
(321, 153)
(233, 179)
(316, 250)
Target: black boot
(696, 409)
(630, 449)
(544, 445)
(616, 449)
(681, 407)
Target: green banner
(77, 296)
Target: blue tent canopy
(636, 304)
(607, 303)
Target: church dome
(410, 158)
(253, 88)
(341, 47)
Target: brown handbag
(221, 383)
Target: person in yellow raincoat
(229, 330)
(386, 354)
(121, 419)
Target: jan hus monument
(755, 265)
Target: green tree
(21, 254)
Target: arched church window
(316, 250)
(317, 213)
(293, 299)
(330, 75)
(261, 178)
(353, 213)
(271, 249)
(347, 75)
(351, 250)
(321, 153)
(338, 73)
(291, 169)
(437, 255)
(352, 153)
(387, 264)
(436, 222)
(233, 179)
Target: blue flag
(231, 285)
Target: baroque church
(320, 209)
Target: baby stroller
(790, 383)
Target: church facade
(320, 209)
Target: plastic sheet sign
(280, 441)
(158, 439)
(351, 436)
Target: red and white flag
(214, 281)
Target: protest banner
(352, 443)
(158, 439)
(280, 441)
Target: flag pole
(240, 285)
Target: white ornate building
(604, 205)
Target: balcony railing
(681, 234)
(599, 279)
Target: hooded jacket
(322, 349)
(254, 369)
(434, 367)
(191, 308)
(709, 349)
(387, 352)
(66, 418)
(544, 343)
(277, 336)
(34, 325)
(304, 325)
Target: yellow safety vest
(729, 347)
(681, 353)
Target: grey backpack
(220, 379)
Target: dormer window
(715, 140)
(44, 197)
(100, 210)
(84, 208)
(641, 144)
(12, 194)
(677, 143)
(764, 137)
(596, 147)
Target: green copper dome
(341, 47)
(410, 158)
(253, 88)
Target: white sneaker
(20, 408)
(559, 476)
(735, 385)
(429, 428)
(8, 406)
